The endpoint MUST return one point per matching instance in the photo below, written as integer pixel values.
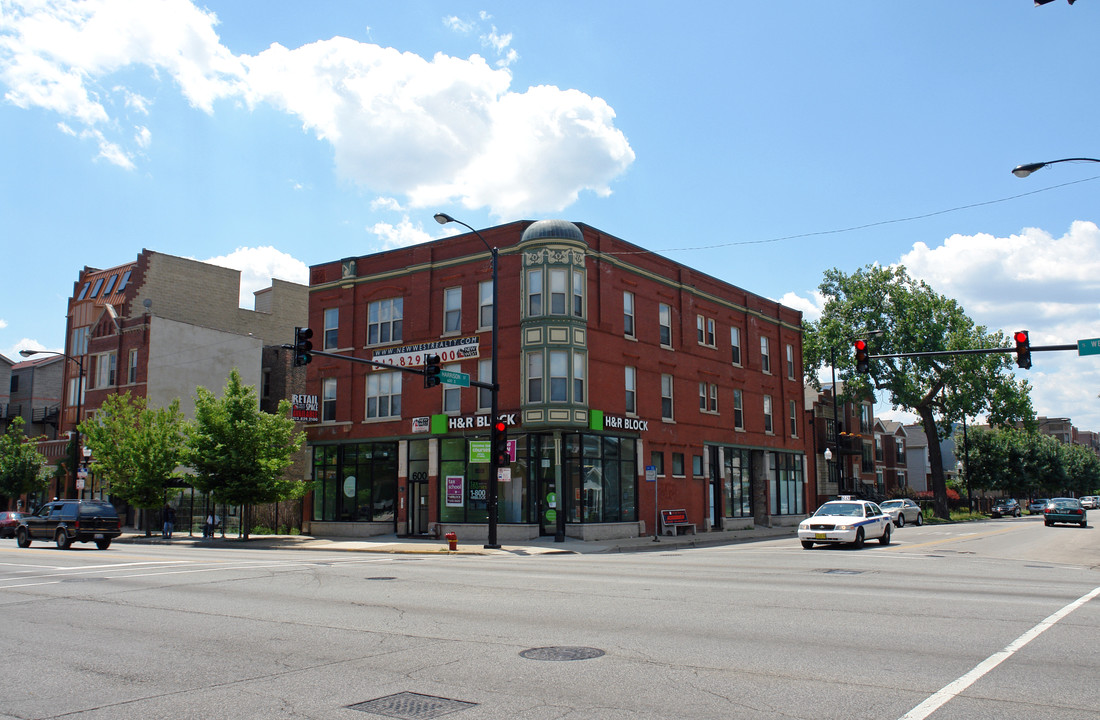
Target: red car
(8, 523)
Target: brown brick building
(630, 383)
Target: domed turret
(552, 230)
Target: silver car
(902, 511)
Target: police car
(845, 521)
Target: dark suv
(64, 521)
(1005, 507)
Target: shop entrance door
(549, 504)
(419, 509)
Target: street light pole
(494, 468)
(836, 428)
(74, 460)
(1022, 171)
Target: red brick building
(612, 360)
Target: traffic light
(302, 346)
(500, 444)
(863, 363)
(1023, 349)
(431, 371)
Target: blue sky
(735, 137)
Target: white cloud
(258, 266)
(142, 136)
(3, 323)
(401, 235)
(436, 131)
(12, 353)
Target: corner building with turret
(630, 385)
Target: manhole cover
(562, 653)
(412, 706)
(843, 572)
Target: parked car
(8, 522)
(1008, 507)
(845, 521)
(1036, 506)
(1090, 502)
(903, 511)
(1065, 510)
(66, 521)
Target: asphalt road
(997, 619)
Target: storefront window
(788, 484)
(738, 484)
(602, 476)
(356, 482)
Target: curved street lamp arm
(1022, 171)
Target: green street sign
(1088, 347)
(449, 377)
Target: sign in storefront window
(454, 490)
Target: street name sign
(449, 377)
(1088, 347)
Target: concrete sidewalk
(426, 546)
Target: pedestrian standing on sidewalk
(169, 522)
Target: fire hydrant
(452, 541)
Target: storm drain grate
(381, 577)
(843, 572)
(559, 653)
(412, 706)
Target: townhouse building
(35, 395)
(842, 443)
(159, 327)
(891, 457)
(630, 384)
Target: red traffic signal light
(501, 454)
(1023, 349)
(863, 363)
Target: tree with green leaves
(21, 465)
(240, 453)
(912, 318)
(136, 449)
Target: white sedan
(903, 511)
(845, 521)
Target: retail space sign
(451, 350)
(454, 484)
(421, 424)
(304, 408)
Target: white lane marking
(951, 690)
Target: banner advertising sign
(454, 484)
(304, 408)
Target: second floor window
(384, 321)
(790, 362)
(383, 395)
(738, 410)
(630, 379)
(106, 367)
(765, 355)
(328, 400)
(534, 377)
(452, 394)
(132, 367)
(452, 310)
(767, 413)
(666, 397)
(794, 418)
(485, 375)
(735, 344)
